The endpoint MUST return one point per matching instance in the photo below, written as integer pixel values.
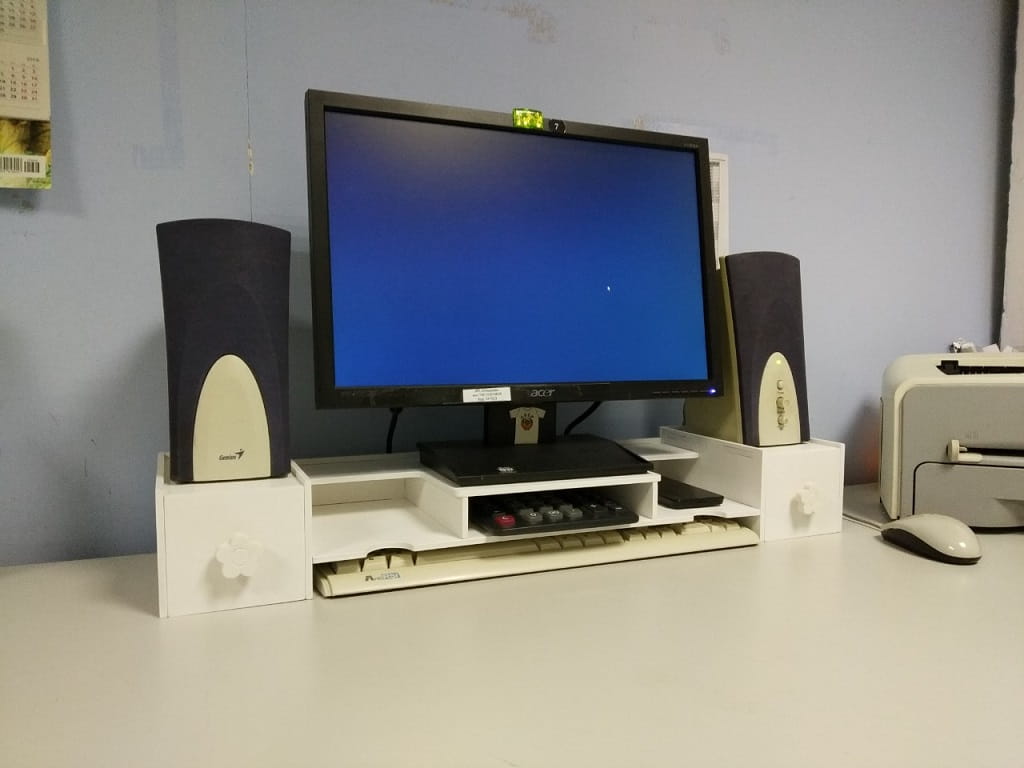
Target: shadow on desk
(133, 582)
(128, 582)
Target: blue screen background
(465, 256)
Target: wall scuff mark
(540, 24)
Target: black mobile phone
(678, 495)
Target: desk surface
(828, 651)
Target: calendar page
(24, 94)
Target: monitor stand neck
(518, 424)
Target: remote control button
(530, 516)
(504, 520)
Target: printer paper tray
(980, 495)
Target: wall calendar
(25, 156)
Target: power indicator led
(532, 119)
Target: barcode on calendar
(32, 166)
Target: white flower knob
(239, 556)
(808, 499)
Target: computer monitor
(460, 259)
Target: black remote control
(678, 495)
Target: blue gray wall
(869, 139)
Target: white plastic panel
(797, 488)
(231, 545)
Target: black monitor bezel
(327, 395)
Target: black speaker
(225, 295)
(764, 402)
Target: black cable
(583, 416)
(395, 412)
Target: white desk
(827, 651)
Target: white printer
(953, 437)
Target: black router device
(573, 456)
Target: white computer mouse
(939, 537)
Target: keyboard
(400, 569)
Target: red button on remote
(504, 520)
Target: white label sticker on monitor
(487, 395)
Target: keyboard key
(401, 559)
(476, 551)
(377, 562)
(612, 537)
(344, 567)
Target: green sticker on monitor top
(528, 118)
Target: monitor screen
(459, 259)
